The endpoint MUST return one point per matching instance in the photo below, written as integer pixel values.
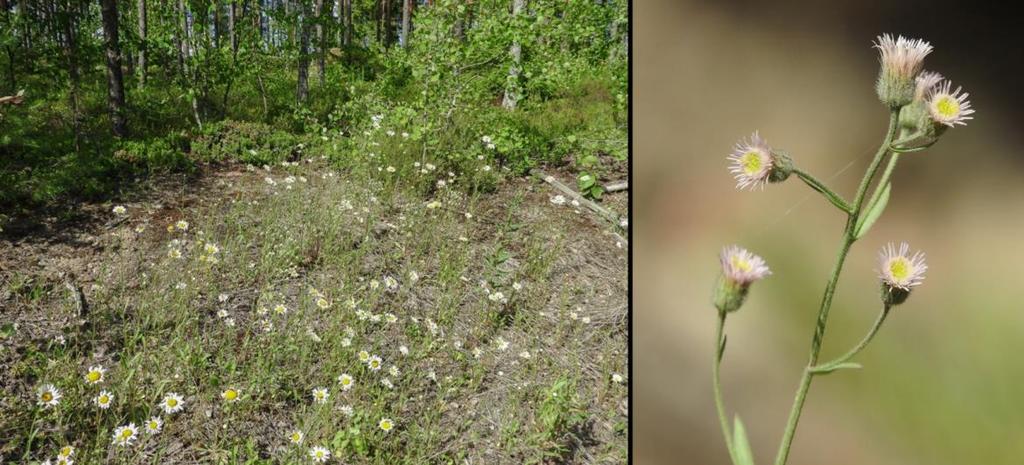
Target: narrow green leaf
(741, 447)
(874, 211)
(840, 366)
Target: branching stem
(824, 190)
(849, 236)
(829, 366)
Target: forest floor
(500, 320)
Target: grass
(498, 320)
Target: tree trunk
(302, 90)
(232, 7)
(142, 44)
(12, 81)
(69, 40)
(115, 80)
(512, 96)
(406, 21)
(346, 12)
(320, 55)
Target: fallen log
(605, 213)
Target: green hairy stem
(849, 237)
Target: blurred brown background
(943, 383)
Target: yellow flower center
(126, 433)
(93, 376)
(172, 402)
(947, 106)
(104, 399)
(385, 425)
(230, 394)
(296, 437)
(751, 163)
(319, 454)
(153, 425)
(346, 381)
(899, 268)
(741, 264)
(66, 451)
(47, 396)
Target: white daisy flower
(390, 283)
(347, 410)
(320, 395)
(230, 395)
(103, 400)
(154, 425)
(525, 354)
(319, 454)
(181, 225)
(391, 169)
(617, 378)
(346, 341)
(374, 363)
(390, 318)
(66, 452)
(364, 356)
(322, 303)
(295, 437)
(48, 396)
(124, 435)
(280, 309)
(120, 210)
(751, 162)
(948, 108)
(172, 403)
(346, 381)
(899, 269)
(403, 350)
(414, 276)
(477, 352)
(394, 371)
(95, 374)
(386, 424)
(741, 266)
(501, 343)
(387, 383)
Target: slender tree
(115, 80)
(320, 55)
(142, 43)
(407, 6)
(302, 89)
(511, 98)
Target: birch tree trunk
(302, 89)
(512, 96)
(406, 22)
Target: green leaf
(874, 211)
(742, 454)
(839, 366)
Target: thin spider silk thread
(798, 203)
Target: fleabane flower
(754, 164)
(103, 400)
(386, 424)
(95, 374)
(172, 403)
(924, 83)
(230, 395)
(740, 268)
(948, 108)
(154, 425)
(901, 60)
(320, 395)
(900, 272)
(66, 452)
(374, 363)
(48, 396)
(295, 437)
(346, 381)
(319, 454)
(124, 435)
